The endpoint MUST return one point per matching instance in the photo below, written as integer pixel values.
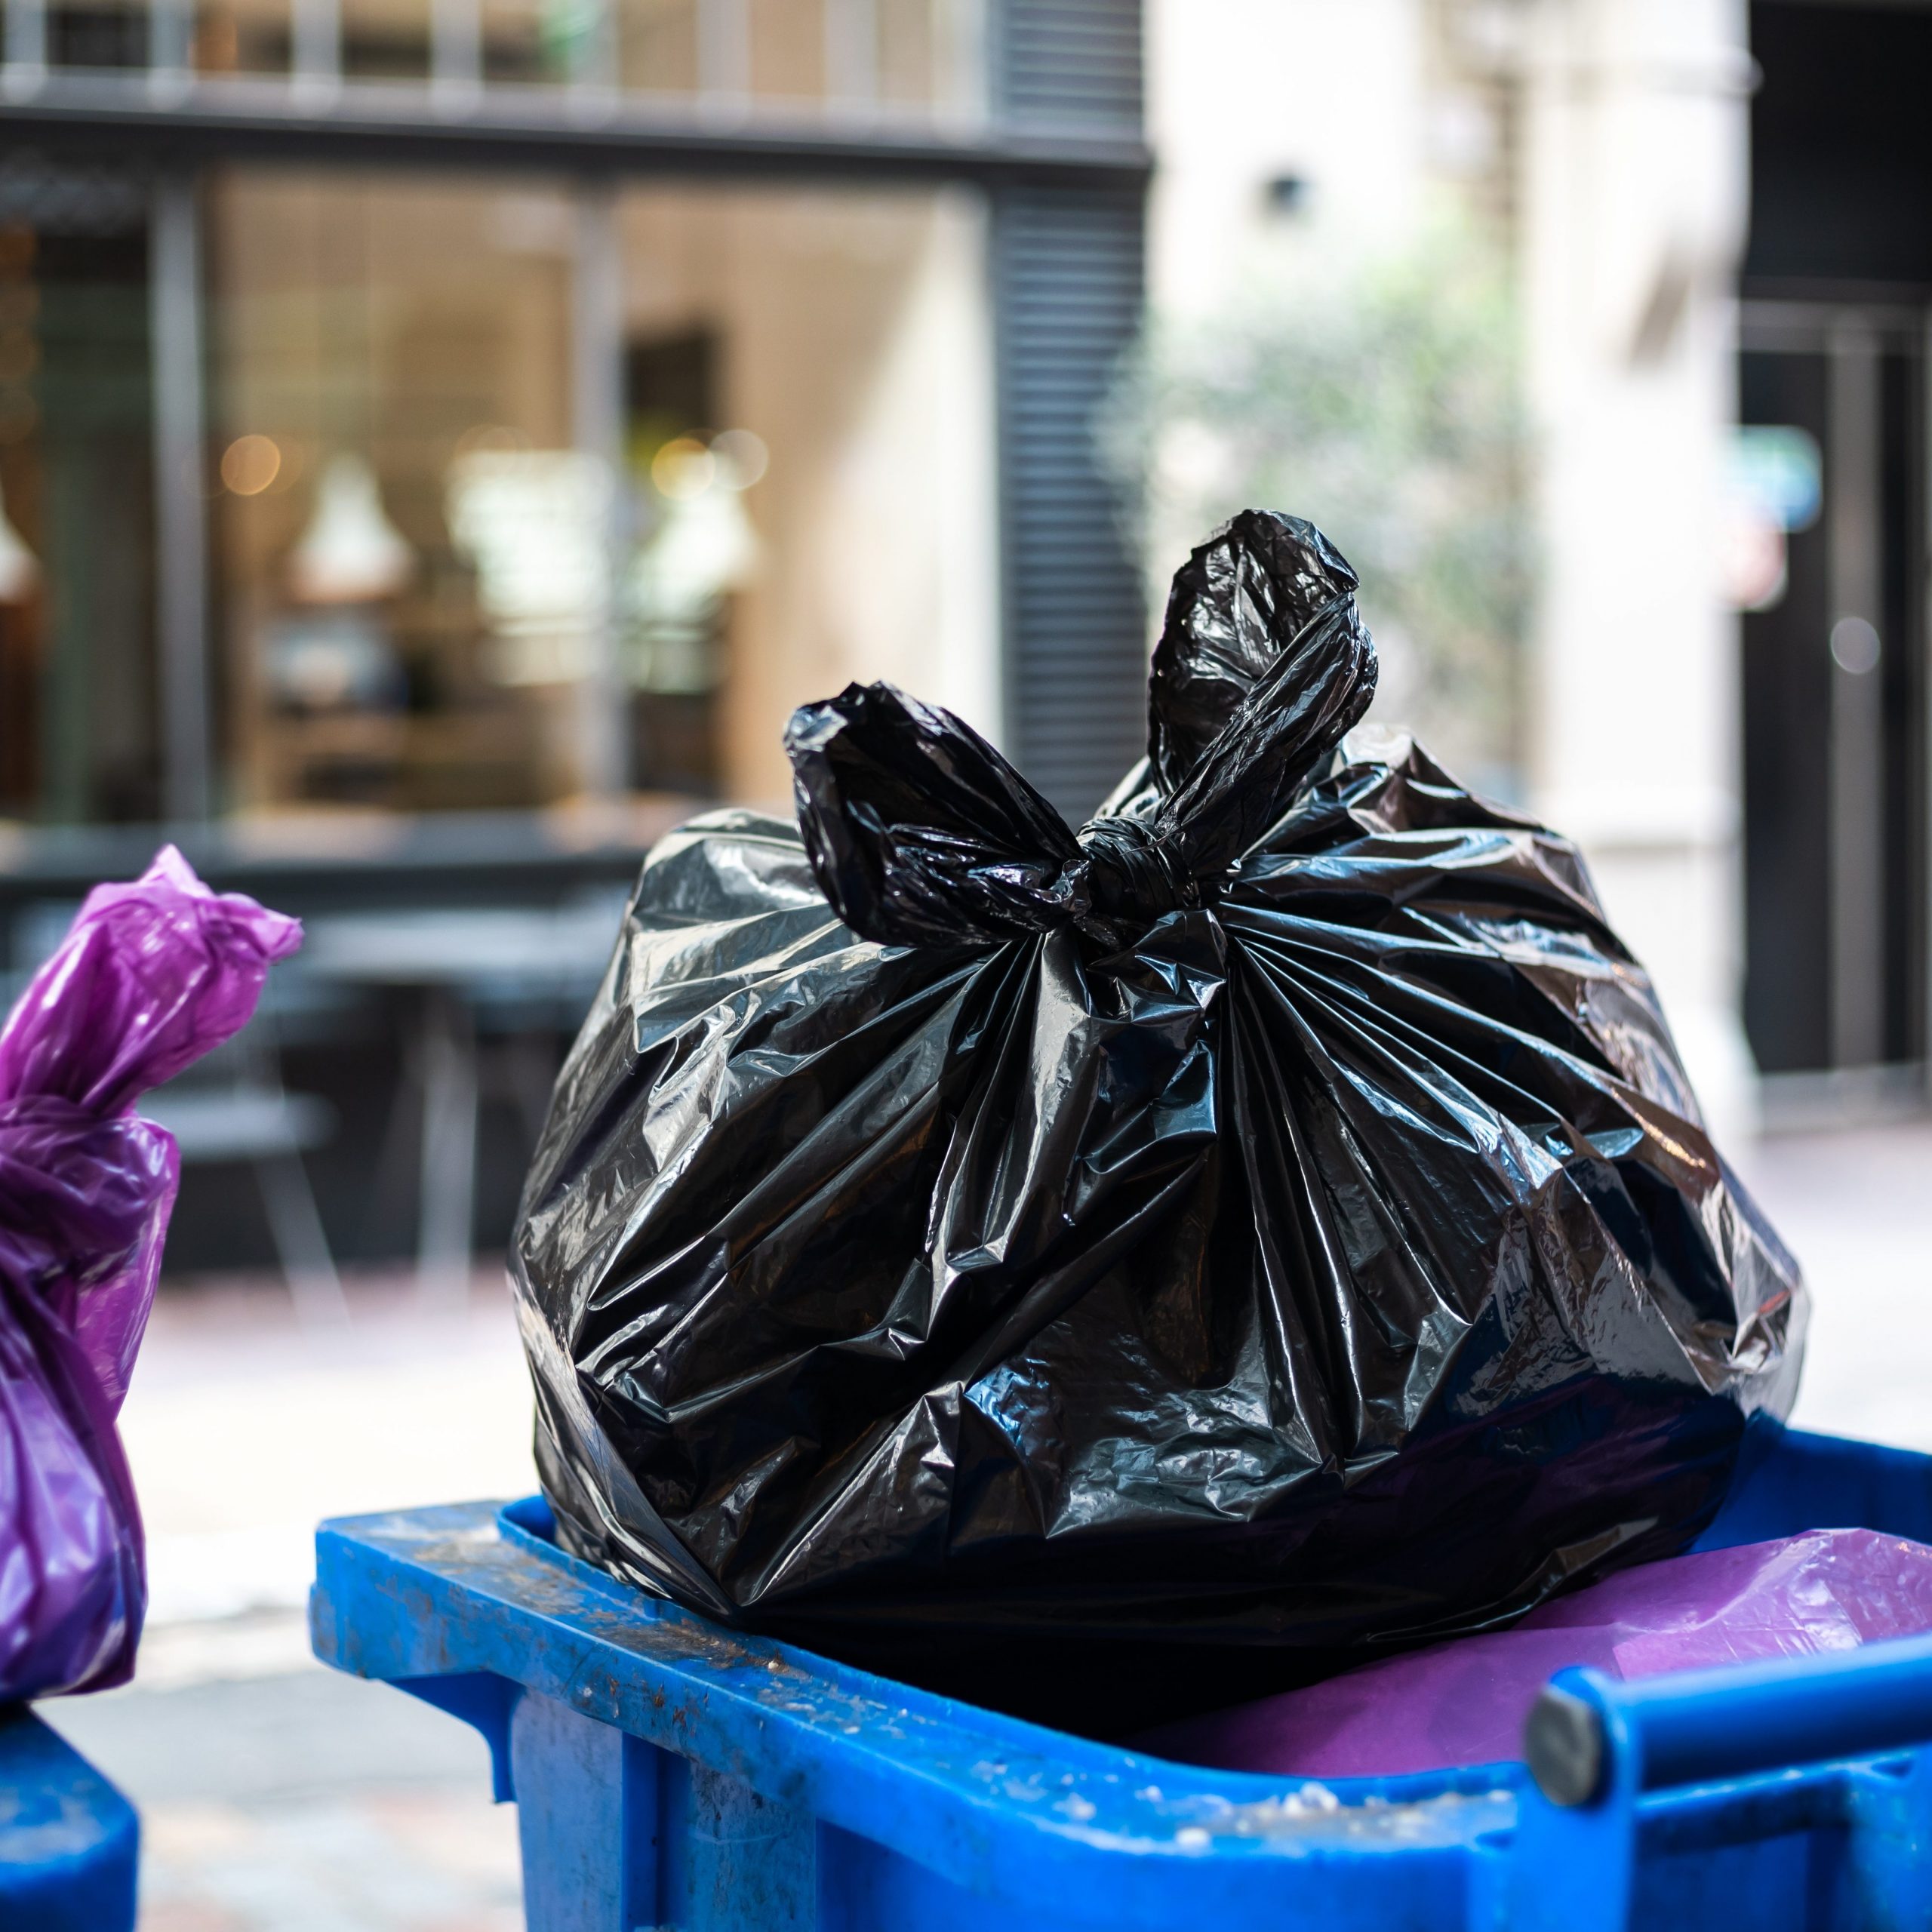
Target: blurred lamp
(250, 464)
(704, 548)
(19, 569)
(1855, 646)
(350, 553)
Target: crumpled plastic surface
(1466, 1702)
(1272, 1219)
(152, 975)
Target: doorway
(1835, 690)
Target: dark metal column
(1853, 487)
(180, 500)
(1922, 879)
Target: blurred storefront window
(441, 441)
(810, 452)
(430, 586)
(77, 670)
(99, 34)
(367, 335)
(526, 403)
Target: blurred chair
(232, 1106)
(517, 969)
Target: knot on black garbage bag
(920, 833)
(1132, 877)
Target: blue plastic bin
(669, 1773)
(68, 1839)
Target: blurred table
(446, 965)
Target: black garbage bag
(1272, 1221)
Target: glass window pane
(242, 37)
(811, 449)
(418, 574)
(402, 527)
(657, 45)
(97, 33)
(788, 49)
(531, 41)
(385, 40)
(78, 700)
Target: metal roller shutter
(1067, 293)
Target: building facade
(441, 440)
(1713, 215)
(417, 407)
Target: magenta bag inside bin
(152, 975)
(1464, 1702)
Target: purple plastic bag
(152, 975)
(1464, 1702)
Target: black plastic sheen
(1272, 1219)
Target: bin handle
(1594, 1745)
(1689, 1727)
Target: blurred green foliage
(1383, 403)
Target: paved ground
(277, 1796)
(280, 1798)
(303, 1801)
(1856, 1208)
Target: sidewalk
(244, 1428)
(279, 1797)
(1855, 1207)
(275, 1795)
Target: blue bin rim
(529, 1523)
(473, 1606)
